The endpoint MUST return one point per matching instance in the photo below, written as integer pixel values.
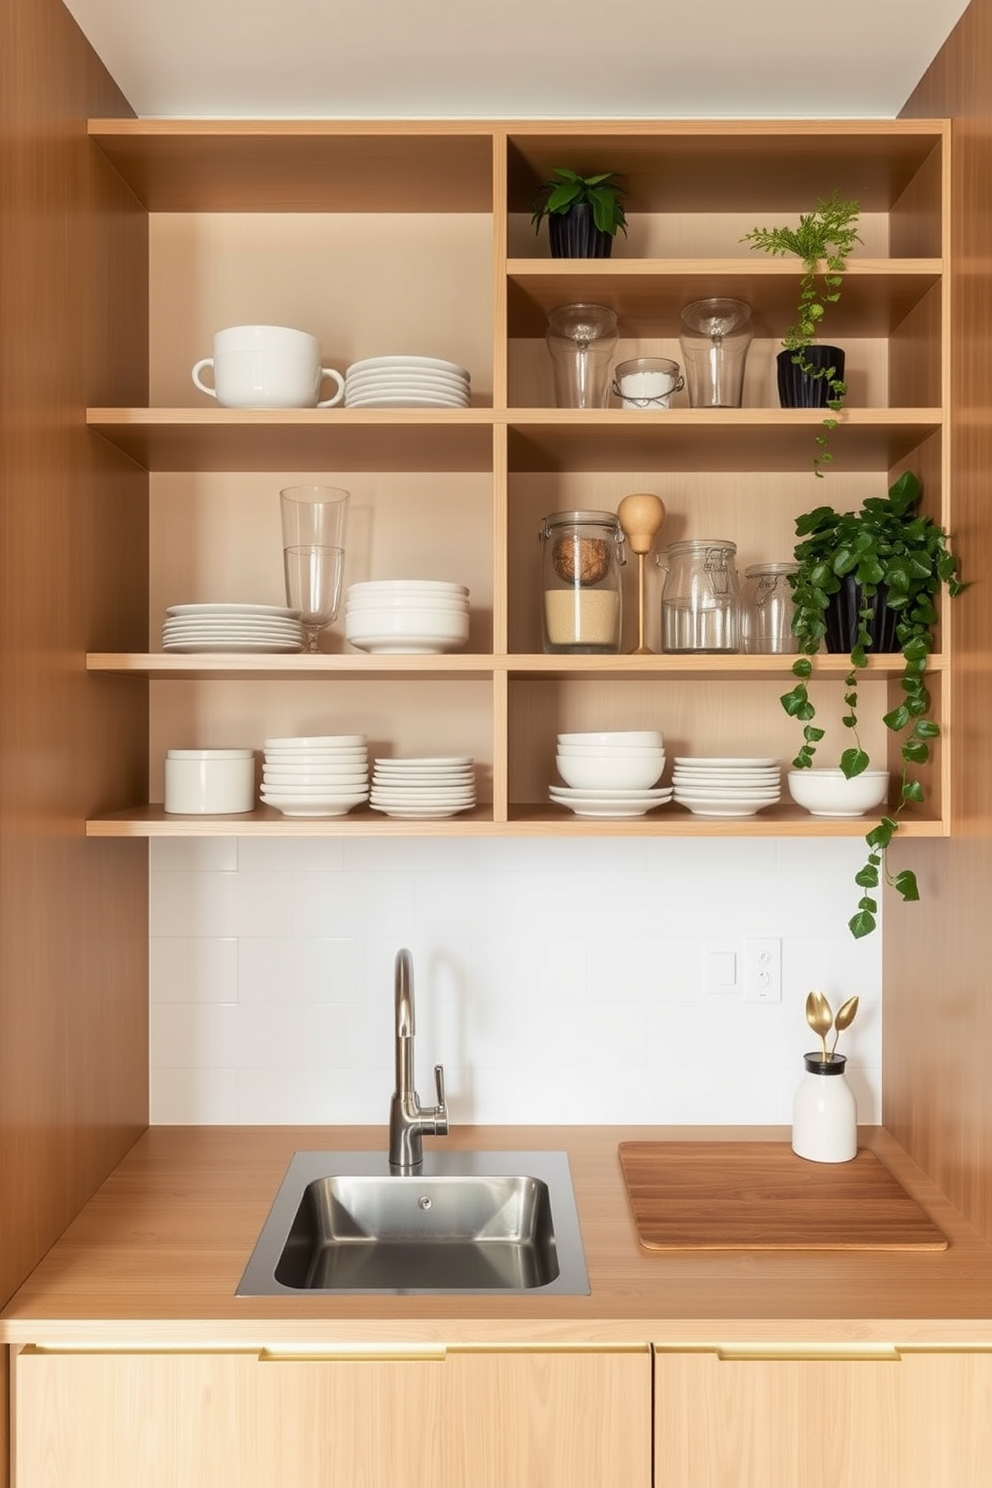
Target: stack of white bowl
(412, 617)
(728, 786)
(320, 775)
(423, 787)
(611, 773)
(406, 382)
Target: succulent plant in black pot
(583, 212)
(812, 375)
(883, 568)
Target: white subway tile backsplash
(558, 981)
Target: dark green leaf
(867, 877)
(912, 790)
(904, 883)
(854, 762)
(898, 718)
(925, 728)
(862, 924)
(915, 752)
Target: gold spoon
(640, 516)
(845, 1017)
(820, 1019)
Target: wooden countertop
(156, 1255)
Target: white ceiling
(517, 58)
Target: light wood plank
(73, 950)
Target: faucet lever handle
(441, 1111)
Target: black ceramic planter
(841, 619)
(574, 234)
(797, 389)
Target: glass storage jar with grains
(580, 582)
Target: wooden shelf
(227, 666)
(296, 165)
(717, 439)
(212, 439)
(524, 821)
(539, 439)
(648, 295)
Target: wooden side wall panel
(73, 530)
(937, 1093)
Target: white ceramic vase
(824, 1112)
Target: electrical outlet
(763, 969)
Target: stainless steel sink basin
(468, 1222)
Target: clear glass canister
(581, 604)
(700, 600)
(767, 609)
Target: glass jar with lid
(767, 609)
(700, 600)
(581, 600)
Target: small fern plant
(823, 242)
(902, 559)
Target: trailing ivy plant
(823, 242)
(903, 559)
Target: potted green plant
(583, 212)
(884, 557)
(812, 376)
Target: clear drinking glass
(582, 341)
(715, 335)
(314, 516)
(314, 521)
(313, 586)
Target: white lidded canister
(209, 782)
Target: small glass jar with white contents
(581, 599)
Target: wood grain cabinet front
(433, 1419)
(881, 1418)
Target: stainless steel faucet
(408, 1120)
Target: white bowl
(406, 586)
(627, 738)
(593, 751)
(609, 773)
(828, 792)
(307, 779)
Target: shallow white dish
(420, 813)
(232, 609)
(255, 648)
(406, 382)
(302, 780)
(317, 741)
(405, 400)
(386, 645)
(379, 362)
(418, 586)
(300, 806)
(729, 763)
(419, 761)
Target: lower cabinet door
(530, 1419)
(888, 1419)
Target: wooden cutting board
(761, 1196)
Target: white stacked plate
(729, 786)
(317, 775)
(406, 382)
(412, 617)
(231, 627)
(616, 803)
(423, 787)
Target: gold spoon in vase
(845, 1017)
(640, 516)
(820, 1019)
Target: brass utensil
(640, 516)
(820, 1019)
(845, 1017)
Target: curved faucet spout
(409, 1121)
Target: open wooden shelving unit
(460, 493)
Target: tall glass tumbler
(582, 341)
(714, 336)
(314, 522)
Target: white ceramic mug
(263, 366)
